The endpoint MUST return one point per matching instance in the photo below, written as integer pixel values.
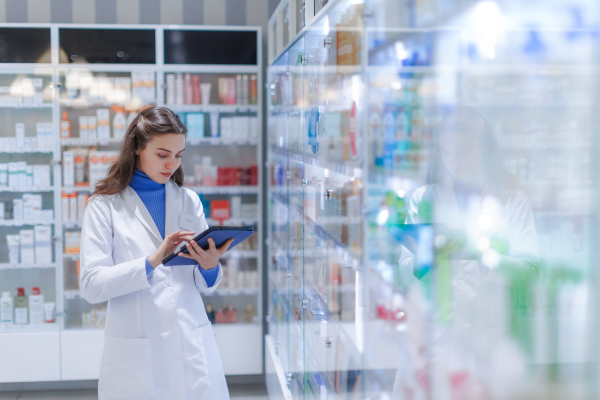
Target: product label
(6, 313)
(21, 316)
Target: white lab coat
(159, 343)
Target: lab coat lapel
(173, 205)
(138, 208)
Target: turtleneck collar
(142, 182)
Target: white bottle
(6, 309)
(170, 89)
(179, 93)
(36, 306)
(119, 123)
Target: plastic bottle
(65, 126)
(188, 90)
(36, 306)
(119, 123)
(196, 89)
(6, 309)
(389, 134)
(179, 93)
(170, 95)
(21, 307)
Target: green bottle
(21, 307)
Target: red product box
(220, 210)
(254, 175)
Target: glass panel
(25, 45)
(107, 46)
(452, 254)
(211, 47)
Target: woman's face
(162, 156)
(461, 154)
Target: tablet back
(220, 235)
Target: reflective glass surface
(438, 163)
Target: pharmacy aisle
(67, 121)
(431, 185)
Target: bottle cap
(5, 294)
(20, 291)
(35, 290)
(65, 115)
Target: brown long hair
(148, 123)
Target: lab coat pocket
(199, 363)
(127, 369)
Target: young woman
(159, 343)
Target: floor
(237, 392)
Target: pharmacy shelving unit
(81, 69)
(374, 107)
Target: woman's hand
(167, 246)
(208, 259)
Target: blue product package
(220, 234)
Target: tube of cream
(49, 312)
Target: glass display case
(64, 118)
(432, 229)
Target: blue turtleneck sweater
(153, 196)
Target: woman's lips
(166, 175)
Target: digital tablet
(220, 234)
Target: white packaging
(20, 136)
(91, 128)
(31, 144)
(73, 209)
(170, 95)
(29, 176)
(13, 175)
(83, 127)
(36, 309)
(3, 174)
(40, 132)
(49, 136)
(253, 128)
(65, 207)
(43, 248)
(236, 207)
(18, 211)
(81, 202)
(10, 144)
(226, 129)
(13, 248)
(250, 211)
(103, 123)
(37, 176)
(2, 150)
(27, 246)
(37, 208)
(68, 168)
(47, 216)
(240, 128)
(6, 309)
(49, 312)
(28, 208)
(46, 175)
(22, 170)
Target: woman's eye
(179, 156)
(162, 155)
